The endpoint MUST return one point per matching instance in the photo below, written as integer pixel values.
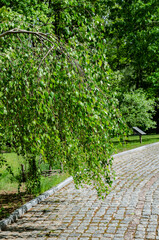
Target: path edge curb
(27, 206)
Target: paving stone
(96, 235)
(140, 234)
(151, 236)
(111, 230)
(84, 238)
(72, 238)
(118, 238)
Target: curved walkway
(130, 211)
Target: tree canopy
(137, 110)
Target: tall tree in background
(133, 44)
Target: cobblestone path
(130, 211)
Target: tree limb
(15, 31)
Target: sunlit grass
(134, 142)
(49, 182)
(8, 183)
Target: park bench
(139, 132)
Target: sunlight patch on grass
(49, 182)
(8, 183)
(134, 142)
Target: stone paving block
(103, 238)
(108, 235)
(111, 230)
(151, 236)
(140, 234)
(64, 235)
(96, 235)
(118, 238)
(84, 238)
(120, 235)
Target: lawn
(134, 142)
(8, 183)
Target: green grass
(49, 182)
(134, 142)
(8, 183)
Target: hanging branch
(16, 30)
(45, 37)
(61, 46)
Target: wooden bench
(139, 132)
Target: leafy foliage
(132, 45)
(138, 110)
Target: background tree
(138, 110)
(132, 44)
